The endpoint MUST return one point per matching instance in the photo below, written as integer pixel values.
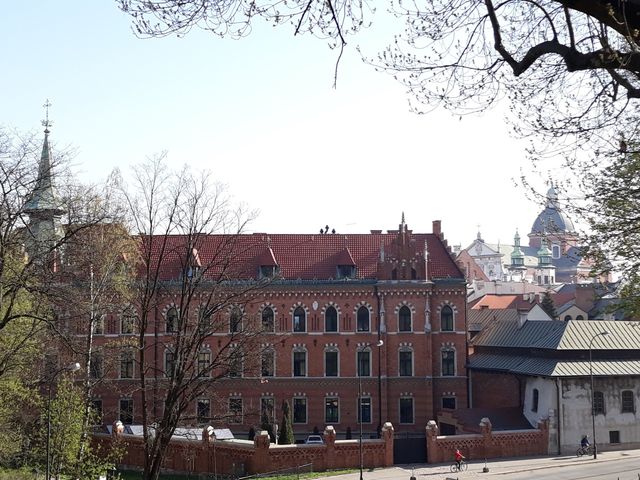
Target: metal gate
(409, 448)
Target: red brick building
(325, 303)
(332, 300)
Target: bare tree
(331, 20)
(40, 226)
(189, 288)
(568, 67)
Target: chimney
(437, 227)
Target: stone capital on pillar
(329, 435)
(118, 428)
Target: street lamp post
(74, 367)
(593, 411)
(360, 350)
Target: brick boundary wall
(241, 457)
(487, 444)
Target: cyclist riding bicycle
(459, 457)
(584, 443)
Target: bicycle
(588, 450)
(463, 467)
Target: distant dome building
(552, 257)
(554, 226)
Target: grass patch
(129, 475)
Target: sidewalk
(497, 467)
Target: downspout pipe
(559, 414)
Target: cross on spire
(46, 123)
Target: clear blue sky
(260, 113)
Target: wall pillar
(387, 436)
(330, 442)
(433, 449)
(487, 437)
(261, 462)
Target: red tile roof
(298, 256)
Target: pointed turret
(544, 254)
(43, 198)
(545, 270)
(44, 227)
(517, 257)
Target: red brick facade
(407, 292)
(487, 444)
(239, 458)
(495, 390)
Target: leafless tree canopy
(333, 19)
(568, 66)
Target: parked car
(314, 440)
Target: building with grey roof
(545, 368)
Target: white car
(314, 440)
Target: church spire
(43, 198)
(44, 211)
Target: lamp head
(74, 367)
(380, 343)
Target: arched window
(235, 320)
(268, 325)
(331, 320)
(534, 400)
(299, 320)
(567, 318)
(579, 317)
(404, 319)
(363, 319)
(172, 320)
(446, 319)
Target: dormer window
(268, 271)
(268, 264)
(346, 271)
(194, 266)
(193, 271)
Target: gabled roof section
(566, 336)
(480, 249)
(496, 302)
(552, 367)
(345, 258)
(478, 319)
(298, 256)
(267, 258)
(194, 261)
